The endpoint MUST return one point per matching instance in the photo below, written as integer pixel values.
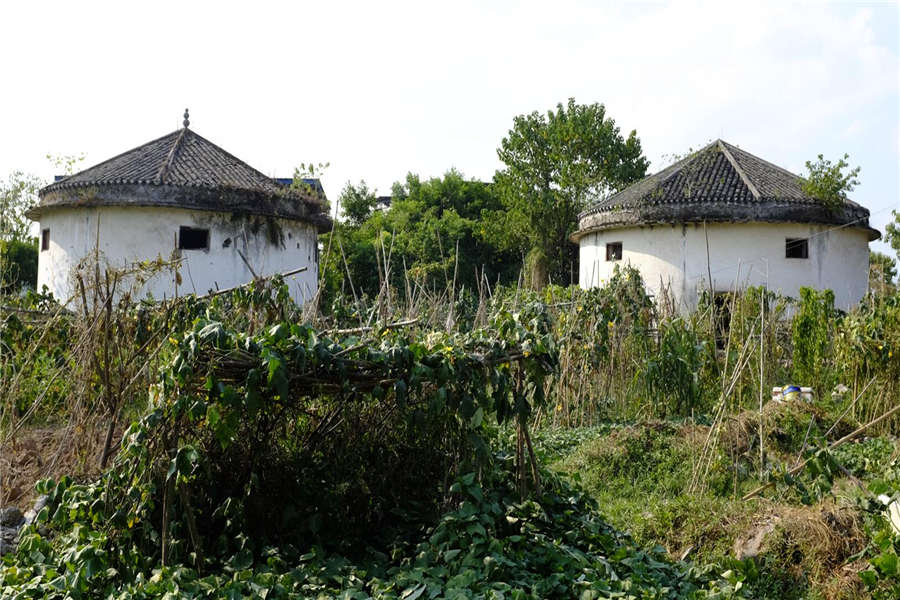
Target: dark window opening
(45, 239)
(192, 238)
(614, 251)
(796, 248)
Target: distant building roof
(313, 184)
(719, 183)
(383, 202)
(182, 170)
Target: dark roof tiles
(179, 158)
(182, 170)
(719, 183)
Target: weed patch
(639, 475)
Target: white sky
(379, 89)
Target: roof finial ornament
(186, 120)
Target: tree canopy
(357, 202)
(892, 233)
(17, 194)
(555, 165)
(18, 248)
(882, 271)
(433, 233)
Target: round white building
(724, 215)
(183, 202)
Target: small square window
(45, 239)
(614, 251)
(192, 238)
(796, 248)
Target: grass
(639, 475)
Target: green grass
(640, 474)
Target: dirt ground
(48, 452)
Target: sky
(380, 89)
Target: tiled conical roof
(719, 183)
(182, 170)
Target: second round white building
(725, 219)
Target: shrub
(813, 333)
(18, 265)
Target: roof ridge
(723, 146)
(680, 162)
(659, 177)
(762, 160)
(62, 181)
(164, 169)
(232, 156)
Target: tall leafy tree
(357, 202)
(892, 233)
(18, 248)
(436, 231)
(17, 195)
(18, 264)
(882, 271)
(556, 164)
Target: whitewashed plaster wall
(740, 255)
(129, 235)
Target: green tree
(827, 182)
(892, 233)
(555, 165)
(357, 202)
(18, 264)
(17, 195)
(18, 248)
(434, 232)
(20, 192)
(882, 270)
(65, 162)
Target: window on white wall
(796, 248)
(193, 238)
(613, 251)
(45, 239)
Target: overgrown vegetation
(827, 182)
(444, 420)
(276, 460)
(279, 457)
(436, 237)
